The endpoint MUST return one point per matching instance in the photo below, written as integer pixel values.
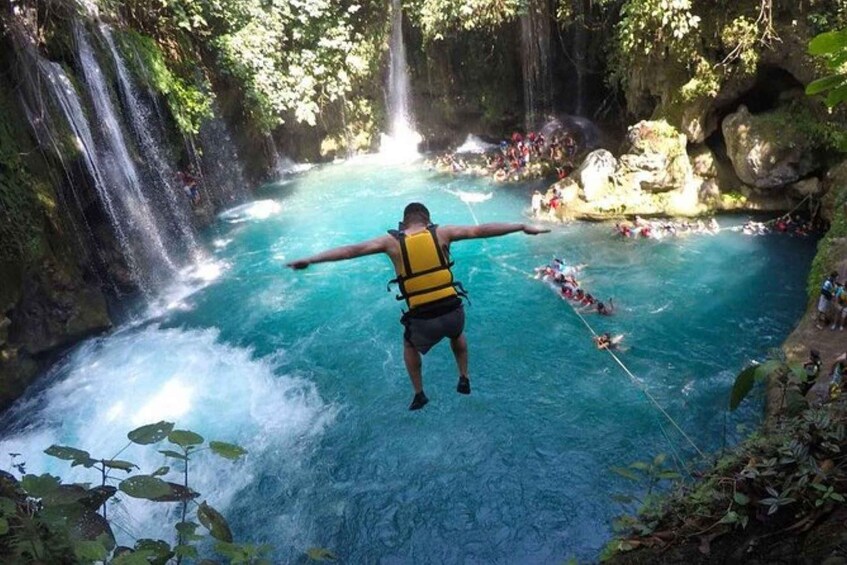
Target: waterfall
(218, 162)
(117, 181)
(536, 62)
(54, 78)
(402, 139)
(150, 142)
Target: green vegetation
(792, 475)
(189, 103)
(43, 520)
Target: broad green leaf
(186, 551)
(151, 433)
(88, 551)
(145, 486)
(320, 554)
(213, 521)
(188, 531)
(659, 459)
(65, 494)
(118, 464)
(78, 456)
(227, 450)
(669, 475)
(157, 547)
(730, 517)
(160, 471)
(828, 42)
(741, 499)
(174, 454)
(742, 387)
(836, 96)
(38, 486)
(184, 438)
(625, 473)
(640, 466)
(4, 526)
(823, 84)
(138, 557)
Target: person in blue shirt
(827, 292)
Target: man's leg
(459, 346)
(413, 365)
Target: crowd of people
(660, 229)
(546, 204)
(791, 224)
(562, 277)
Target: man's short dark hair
(416, 212)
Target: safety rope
(635, 380)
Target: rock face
(595, 173)
(656, 158)
(765, 152)
(56, 308)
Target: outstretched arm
(457, 233)
(378, 245)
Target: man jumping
(420, 252)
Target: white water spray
(401, 143)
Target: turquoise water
(305, 370)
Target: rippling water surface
(305, 370)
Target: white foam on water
(191, 279)
(471, 197)
(401, 146)
(474, 144)
(221, 243)
(258, 210)
(112, 385)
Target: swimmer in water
(606, 341)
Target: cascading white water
(219, 162)
(161, 172)
(402, 140)
(130, 207)
(67, 100)
(536, 62)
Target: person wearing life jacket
(420, 253)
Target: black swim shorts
(424, 332)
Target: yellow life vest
(425, 271)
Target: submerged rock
(766, 152)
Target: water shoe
(419, 401)
(464, 386)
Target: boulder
(765, 150)
(656, 158)
(807, 187)
(595, 173)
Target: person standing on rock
(827, 292)
(420, 253)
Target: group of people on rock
(832, 303)
(665, 228)
(792, 224)
(547, 203)
(519, 151)
(563, 278)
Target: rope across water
(635, 380)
